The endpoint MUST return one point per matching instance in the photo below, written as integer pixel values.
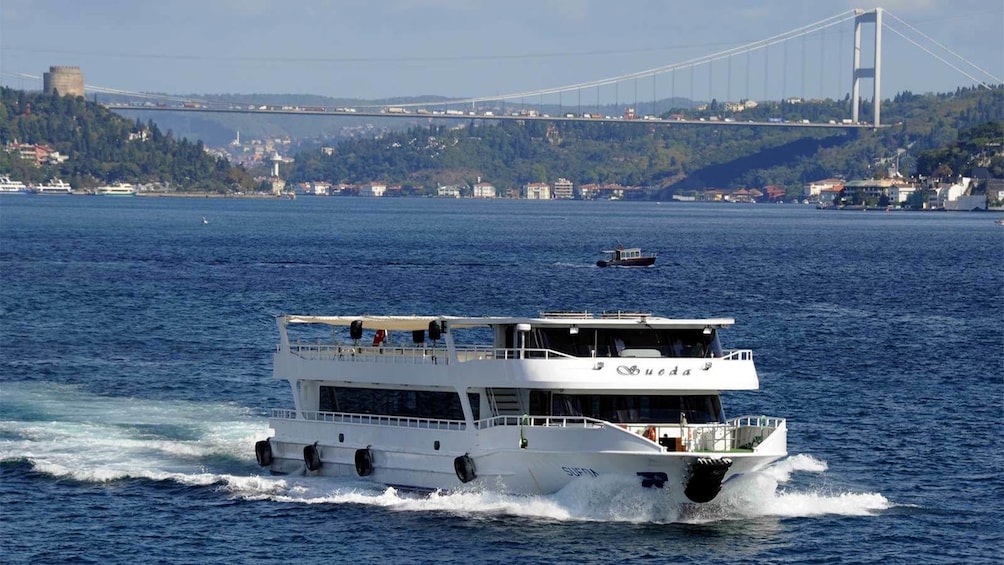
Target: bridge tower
(873, 72)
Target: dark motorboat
(626, 257)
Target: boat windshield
(603, 342)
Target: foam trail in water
(66, 432)
(606, 498)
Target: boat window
(698, 408)
(432, 404)
(643, 342)
(475, 401)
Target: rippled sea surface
(135, 377)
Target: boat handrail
(758, 421)
(737, 355)
(367, 419)
(323, 351)
(481, 353)
(538, 421)
(743, 433)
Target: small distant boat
(204, 220)
(999, 222)
(10, 186)
(117, 189)
(626, 257)
(54, 186)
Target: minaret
(276, 159)
(277, 183)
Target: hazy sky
(467, 48)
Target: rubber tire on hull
(464, 466)
(705, 480)
(263, 453)
(312, 457)
(364, 462)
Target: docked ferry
(514, 404)
(117, 189)
(54, 186)
(11, 186)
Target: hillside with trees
(931, 135)
(664, 156)
(103, 147)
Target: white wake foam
(66, 432)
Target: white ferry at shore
(517, 405)
(54, 186)
(11, 186)
(117, 189)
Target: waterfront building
(563, 189)
(484, 190)
(815, 188)
(449, 191)
(537, 191)
(373, 189)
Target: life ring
(650, 433)
(263, 453)
(312, 457)
(379, 337)
(464, 466)
(364, 462)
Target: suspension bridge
(800, 59)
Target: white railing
(540, 421)
(385, 354)
(414, 355)
(738, 434)
(367, 419)
(737, 355)
(742, 433)
(432, 355)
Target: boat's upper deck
(592, 350)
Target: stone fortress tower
(68, 81)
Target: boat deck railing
(367, 419)
(538, 421)
(736, 435)
(433, 355)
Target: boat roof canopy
(546, 319)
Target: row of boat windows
(427, 404)
(610, 343)
(634, 408)
(445, 405)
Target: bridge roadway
(481, 116)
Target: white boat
(518, 405)
(117, 189)
(10, 186)
(54, 186)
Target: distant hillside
(667, 157)
(103, 147)
(218, 129)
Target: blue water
(135, 377)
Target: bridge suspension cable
(706, 59)
(938, 57)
